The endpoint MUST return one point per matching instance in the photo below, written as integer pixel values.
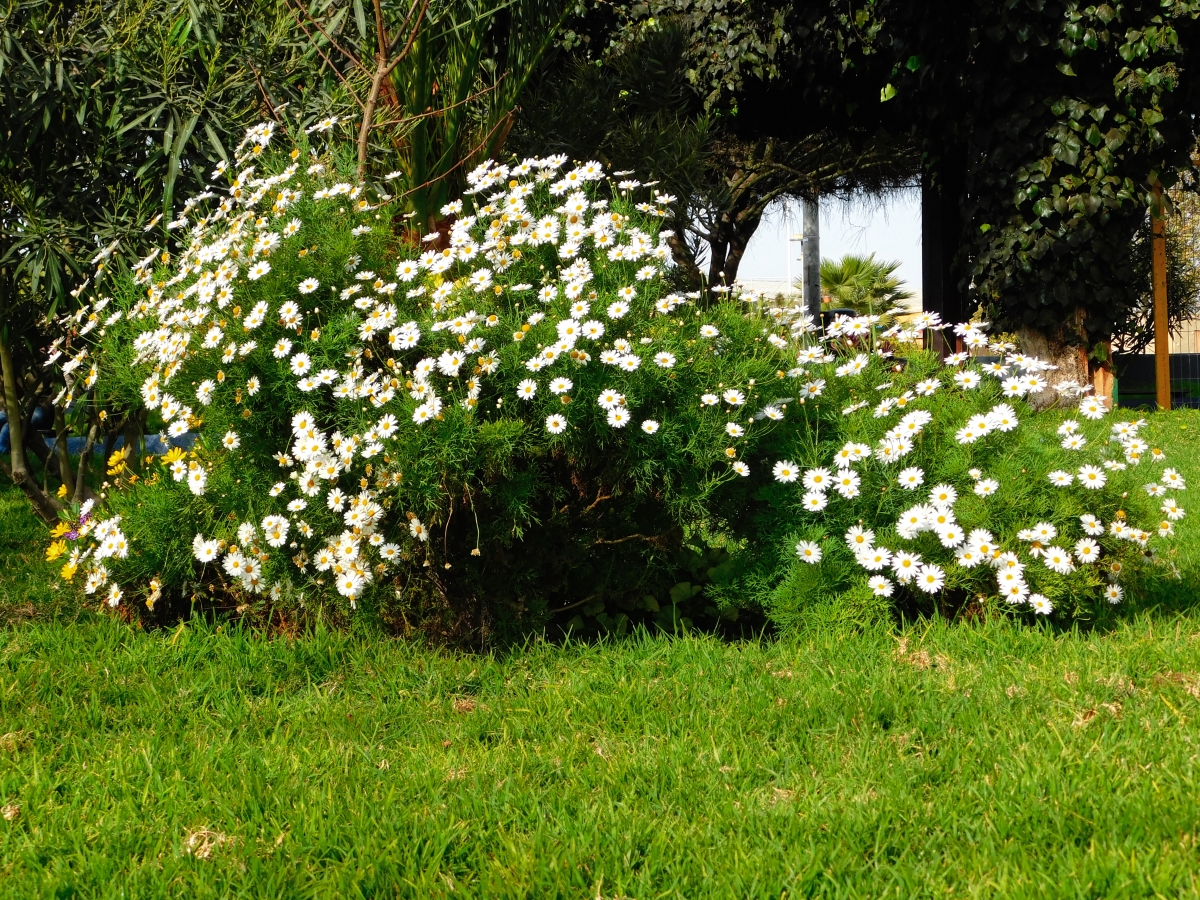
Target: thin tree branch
(329, 62)
(412, 37)
(266, 99)
(346, 53)
(89, 445)
(436, 112)
(573, 605)
(651, 538)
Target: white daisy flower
(1087, 550)
(930, 578)
(610, 399)
(814, 501)
(785, 470)
(985, 487)
(880, 586)
(817, 479)
(809, 552)
(618, 418)
(905, 565)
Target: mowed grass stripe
(995, 758)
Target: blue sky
(892, 230)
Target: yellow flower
(171, 455)
(68, 571)
(60, 529)
(55, 550)
(62, 491)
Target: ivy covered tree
(1045, 126)
(1042, 127)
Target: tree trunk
(61, 450)
(718, 247)
(16, 419)
(728, 246)
(1069, 358)
(82, 491)
(133, 430)
(46, 507)
(685, 260)
(744, 230)
(368, 119)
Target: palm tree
(862, 283)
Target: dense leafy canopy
(637, 106)
(1045, 122)
(111, 111)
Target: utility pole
(787, 229)
(810, 252)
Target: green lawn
(992, 759)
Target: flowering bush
(519, 419)
(939, 482)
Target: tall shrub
(518, 420)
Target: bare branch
(412, 36)
(380, 35)
(437, 112)
(408, 22)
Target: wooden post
(1102, 376)
(1162, 332)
